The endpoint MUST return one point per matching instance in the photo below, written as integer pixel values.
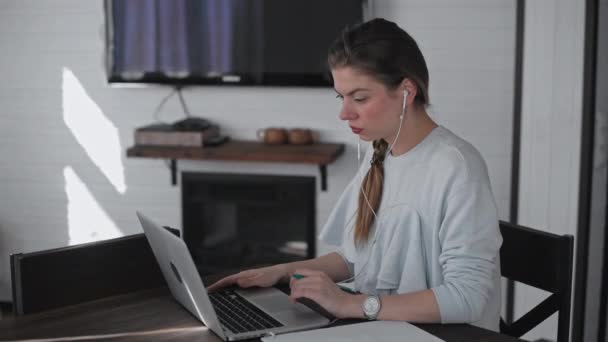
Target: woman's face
(372, 111)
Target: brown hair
(387, 53)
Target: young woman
(417, 226)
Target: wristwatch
(371, 307)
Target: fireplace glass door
(232, 221)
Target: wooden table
(153, 315)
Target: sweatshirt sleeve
(470, 241)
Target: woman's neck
(416, 126)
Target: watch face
(371, 305)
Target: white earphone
(405, 95)
(403, 110)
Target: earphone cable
(376, 220)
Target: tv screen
(246, 42)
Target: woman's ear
(410, 87)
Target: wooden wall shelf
(320, 154)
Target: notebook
(376, 331)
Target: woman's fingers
(320, 290)
(222, 283)
(217, 285)
(303, 286)
(262, 277)
(230, 280)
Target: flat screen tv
(245, 42)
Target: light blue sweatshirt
(436, 228)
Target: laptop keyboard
(238, 315)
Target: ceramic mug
(300, 136)
(272, 135)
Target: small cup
(300, 136)
(272, 135)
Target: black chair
(542, 260)
(65, 276)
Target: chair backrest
(65, 276)
(542, 260)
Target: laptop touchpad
(269, 299)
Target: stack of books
(170, 135)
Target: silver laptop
(233, 314)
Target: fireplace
(238, 220)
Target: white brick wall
(469, 47)
(468, 44)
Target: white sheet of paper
(376, 331)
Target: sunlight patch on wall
(93, 130)
(87, 221)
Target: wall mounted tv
(245, 42)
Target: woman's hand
(319, 287)
(261, 277)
